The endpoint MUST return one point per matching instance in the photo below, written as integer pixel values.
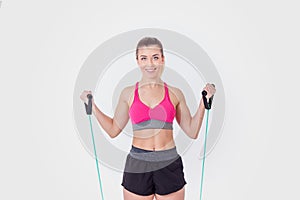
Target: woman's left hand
(210, 89)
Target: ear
(138, 62)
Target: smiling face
(151, 61)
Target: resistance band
(88, 109)
(207, 106)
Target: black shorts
(162, 181)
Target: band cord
(204, 153)
(96, 158)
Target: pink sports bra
(159, 117)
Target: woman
(153, 167)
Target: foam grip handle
(207, 104)
(88, 107)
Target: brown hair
(149, 41)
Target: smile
(150, 70)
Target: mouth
(151, 70)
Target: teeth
(151, 70)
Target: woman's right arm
(114, 126)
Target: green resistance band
(89, 112)
(207, 106)
(88, 109)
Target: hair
(149, 41)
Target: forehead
(149, 50)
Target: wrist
(202, 103)
(93, 106)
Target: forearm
(196, 120)
(105, 121)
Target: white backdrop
(254, 45)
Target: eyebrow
(152, 55)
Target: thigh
(131, 196)
(169, 179)
(178, 195)
(137, 183)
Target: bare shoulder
(127, 94)
(176, 95)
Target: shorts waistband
(153, 156)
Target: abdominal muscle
(153, 139)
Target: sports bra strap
(167, 92)
(136, 90)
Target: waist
(153, 155)
(152, 124)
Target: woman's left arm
(191, 125)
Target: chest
(152, 98)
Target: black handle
(208, 104)
(88, 107)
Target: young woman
(153, 167)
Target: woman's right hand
(84, 94)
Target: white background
(254, 45)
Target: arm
(190, 125)
(114, 126)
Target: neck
(151, 82)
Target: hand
(210, 89)
(84, 98)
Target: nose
(150, 62)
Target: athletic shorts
(153, 172)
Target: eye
(156, 57)
(143, 58)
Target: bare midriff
(153, 139)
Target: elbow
(193, 135)
(112, 136)
(114, 133)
